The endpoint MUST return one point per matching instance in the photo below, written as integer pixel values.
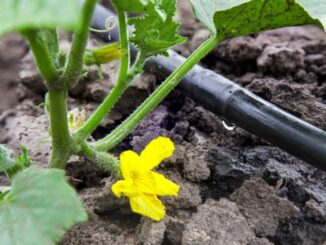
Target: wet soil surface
(235, 188)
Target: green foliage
(233, 18)
(154, 35)
(6, 160)
(19, 15)
(12, 165)
(39, 208)
(139, 6)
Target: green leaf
(40, 207)
(233, 18)
(154, 35)
(132, 5)
(138, 6)
(23, 160)
(19, 15)
(10, 165)
(204, 10)
(6, 161)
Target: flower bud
(104, 54)
(76, 118)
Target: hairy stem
(61, 139)
(95, 119)
(124, 42)
(151, 102)
(75, 60)
(42, 57)
(103, 159)
(50, 38)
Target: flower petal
(124, 187)
(129, 162)
(155, 184)
(164, 186)
(155, 152)
(148, 205)
(145, 182)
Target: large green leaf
(154, 35)
(205, 10)
(23, 14)
(241, 17)
(40, 207)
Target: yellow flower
(141, 184)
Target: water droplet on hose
(228, 127)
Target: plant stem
(61, 139)
(75, 60)
(159, 94)
(103, 159)
(50, 38)
(42, 57)
(124, 42)
(136, 69)
(95, 119)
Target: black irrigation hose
(238, 105)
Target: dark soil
(235, 187)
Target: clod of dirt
(315, 211)
(261, 206)
(300, 232)
(174, 230)
(238, 50)
(310, 38)
(149, 232)
(219, 222)
(259, 156)
(149, 129)
(195, 166)
(204, 121)
(188, 197)
(228, 171)
(298, 188)
(281, 60)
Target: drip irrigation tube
(236, 104)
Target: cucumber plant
(39, 206)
